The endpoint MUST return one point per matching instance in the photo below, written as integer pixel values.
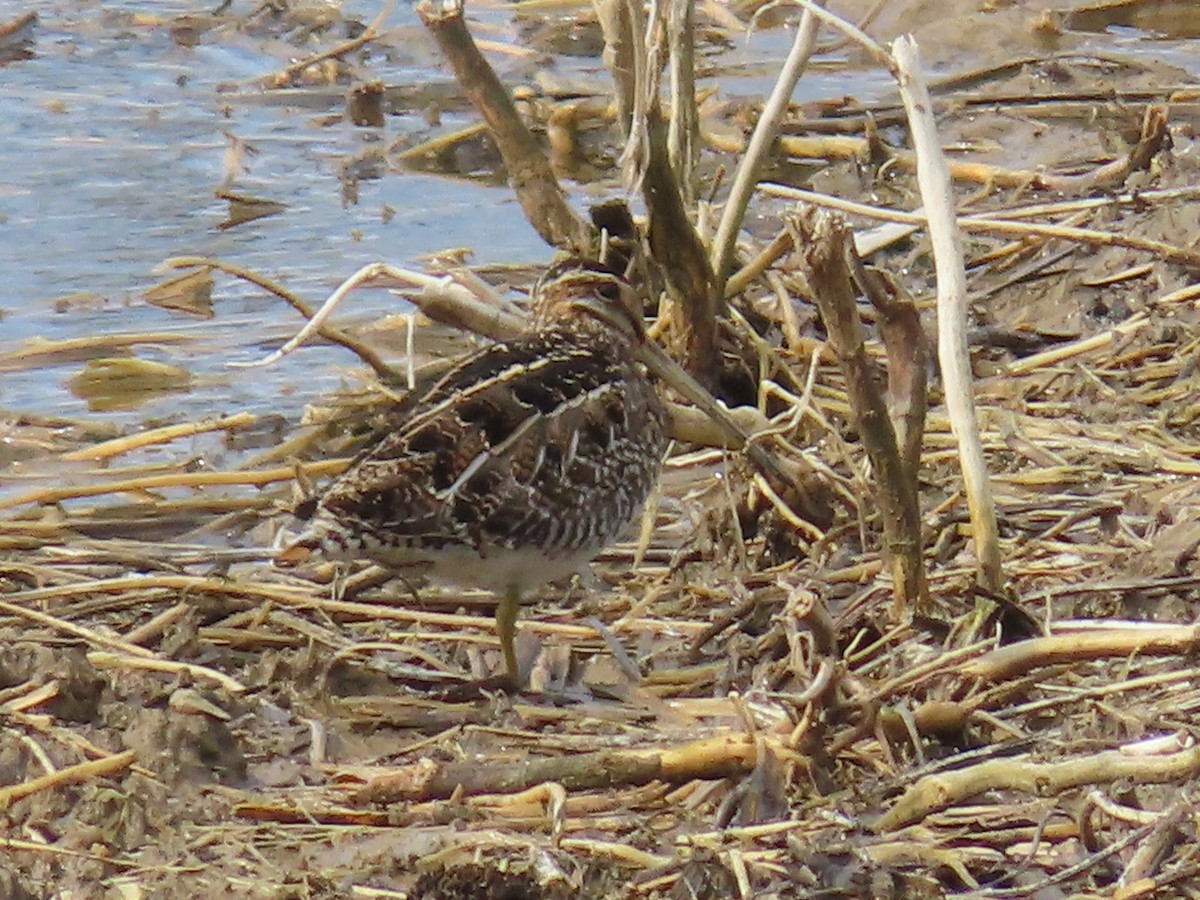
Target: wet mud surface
(178, 718)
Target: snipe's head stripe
(575, 287)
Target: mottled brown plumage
(521, 464)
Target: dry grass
(730, 707)
(764, 724)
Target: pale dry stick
(950, 662)
(295, 445)
(643, 86)
(730, 139)
(851, 31)
(765, 132)
(981, 225)
(716, 839)
(501, 324)
(619, 56)
(85, 634)
(1034, 211)
(1063, 352)
(692, 426)
(1104, 339)
(166, 434)
(1186, 467)
(504, 48)
(289, 599)
(1106, 626)
(622, 853)
(936, 792)
(77, 774)
(1062, 207)
(1145, 865)
(410, 350)
(103, 659)
(37, 352)
(872, 239)
(704, 758)
(801, 526)
(464, 308)
(866, 242)
(1119, 811)
(36, 697)
(735, 861)
(780, 245)
(1129, 273)
(437, 144)
(789, 322)
(484, 290)
(158, 624)
(257, 478)
(788, 421)
(35, 749)
(954, 352)
(646, 526)
(364, 648)
(334, 335)
(1014, 660)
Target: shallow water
(111, 145)
(112, 148)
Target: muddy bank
(178, 716)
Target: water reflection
(112, 145)
(115, 135)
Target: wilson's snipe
(520, 465)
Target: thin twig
(541, 196)
(257, 478)
(329, 333)
(765, 132)
(76, 774)
(151, 436)
(288, 74)
(981, 224)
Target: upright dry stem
(761, 140)
(907, 359)
(654, 159)
(619, 56)
(953, 352)
(677, 248)
(683, 136)
(538, 191)
(823, 244)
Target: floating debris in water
(125, 382)
(190, 292)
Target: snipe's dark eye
(610, 291)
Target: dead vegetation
(742, 702)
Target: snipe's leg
(506, 629)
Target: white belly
(497, 570)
